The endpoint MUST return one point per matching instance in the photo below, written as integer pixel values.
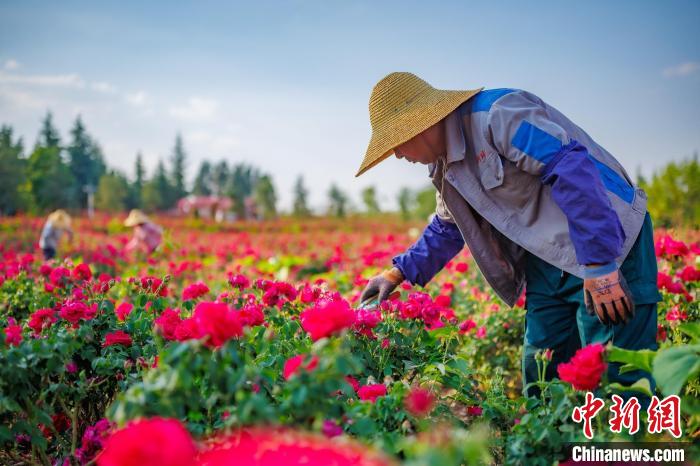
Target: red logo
(481, 157)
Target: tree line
(59, 174)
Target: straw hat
(60, 219)
(136, 217)
(402, 106)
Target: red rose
(167, 323)
(585, 369)
(81, 272)
(217, 323)
(293, 365)
(327, 318)
(194, 291)
(353, 382)
(371, 392)
(419, 402)
(119, 337)
(187, 330)
(474, 410)
(73, 311)
(462, 267)
(123, 310)
(239, 281)
(13, 333)
(149, 441)
(41, 319)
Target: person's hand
(609, 297)
(382, 285)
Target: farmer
(147, 235)
(56, 224)
(537, 201)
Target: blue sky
(285, 85)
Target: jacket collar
(455, 142)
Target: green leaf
(641, 359)
(641, 386)
(674, 366)
(692, 329)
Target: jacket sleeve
(523, 132)
(439, 243)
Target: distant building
(209, 207)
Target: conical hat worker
(537, 201)
(56, 224)
(147, 235)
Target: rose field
(245, 344)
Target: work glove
(382, 285)
(609, 297)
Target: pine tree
(13, 195)
(265, 197)
(338, 202)
(369, 197)
(204, 180)
(300, 207)
(136, 198)
(112, 192)
(178, 162)
(220, 178)
(85, 161)
(48, 134)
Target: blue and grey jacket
(520, 176)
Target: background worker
(147, 235)
(57, 223)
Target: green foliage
(204, 181)
(85, 161)
(674, 194)
(265, 197)
(300, 203)
(178, 162)
(13, 195)
(369, 198)
(405, 198)
(338, 202)
(51, 183)
(112, 192)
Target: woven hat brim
(133, 220)
(428, 109)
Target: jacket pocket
(490, 169)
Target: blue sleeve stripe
(614, 182)
(483, 101)
(536, 143)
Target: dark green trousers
(556, 315)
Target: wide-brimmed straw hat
(136, 217)
(401, 107)
(60, 219)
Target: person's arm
(523, 133)
(439, 243)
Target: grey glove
(609, 298)
(382, 285)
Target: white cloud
(21, 100)
(209, 145)
(103, 86)
(197, 108)
(683, 69)
(11, 64)
(47, 80)
(137, 99)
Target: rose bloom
(73, 311)
(81, 272)
(167, 323)
(419, 402)
(217, 322)
(59, 276)
(154, 441)
(371, 392)
(239, 281)
(276, 446)
(194, 291)
(187, 330)
(123, 310)
(41, 319)
(13, 333)
(474, 410)
(327, 318)
(331, 428)
(293, 365)
(585, 369)
(119, 337)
